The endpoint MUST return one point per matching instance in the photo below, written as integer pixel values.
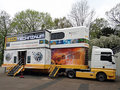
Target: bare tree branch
(81, 15)
(114, 14)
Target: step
(54, 71)
(14, 70)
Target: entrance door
(22, 57)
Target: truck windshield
(106, 56)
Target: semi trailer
(61, 50)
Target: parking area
(43, 82)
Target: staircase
(53, 70)
(15, 69)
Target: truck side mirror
(113, 63)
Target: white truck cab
(102, 65)
(102, 58)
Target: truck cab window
(106, 56)
(59, 35)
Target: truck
(58, 51)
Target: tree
(96, 27)
(114, 15)
(61, 23)
(81, 14)
(107, 31)
(30, 20)
(47, 22)
(5, 22)
(106, 42)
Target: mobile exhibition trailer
(61, 50)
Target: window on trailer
(29, 59)
(59, 35)
(15, 59)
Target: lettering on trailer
(28, 43)
(31, 36)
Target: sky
(56, 8)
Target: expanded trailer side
(35, 48)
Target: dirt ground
(43, 82)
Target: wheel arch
(68, 70)
(101, 72)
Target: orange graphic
(69, 56)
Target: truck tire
(71, 74)
(101, 77)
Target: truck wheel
(70, 74)
(101, 77)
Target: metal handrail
(116, 49)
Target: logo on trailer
(8, 56)
(31, 36)
(37, 56)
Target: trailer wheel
(70, 74)
(101, 77)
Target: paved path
(32, 82)
(2, 70)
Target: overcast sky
(56, 8)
